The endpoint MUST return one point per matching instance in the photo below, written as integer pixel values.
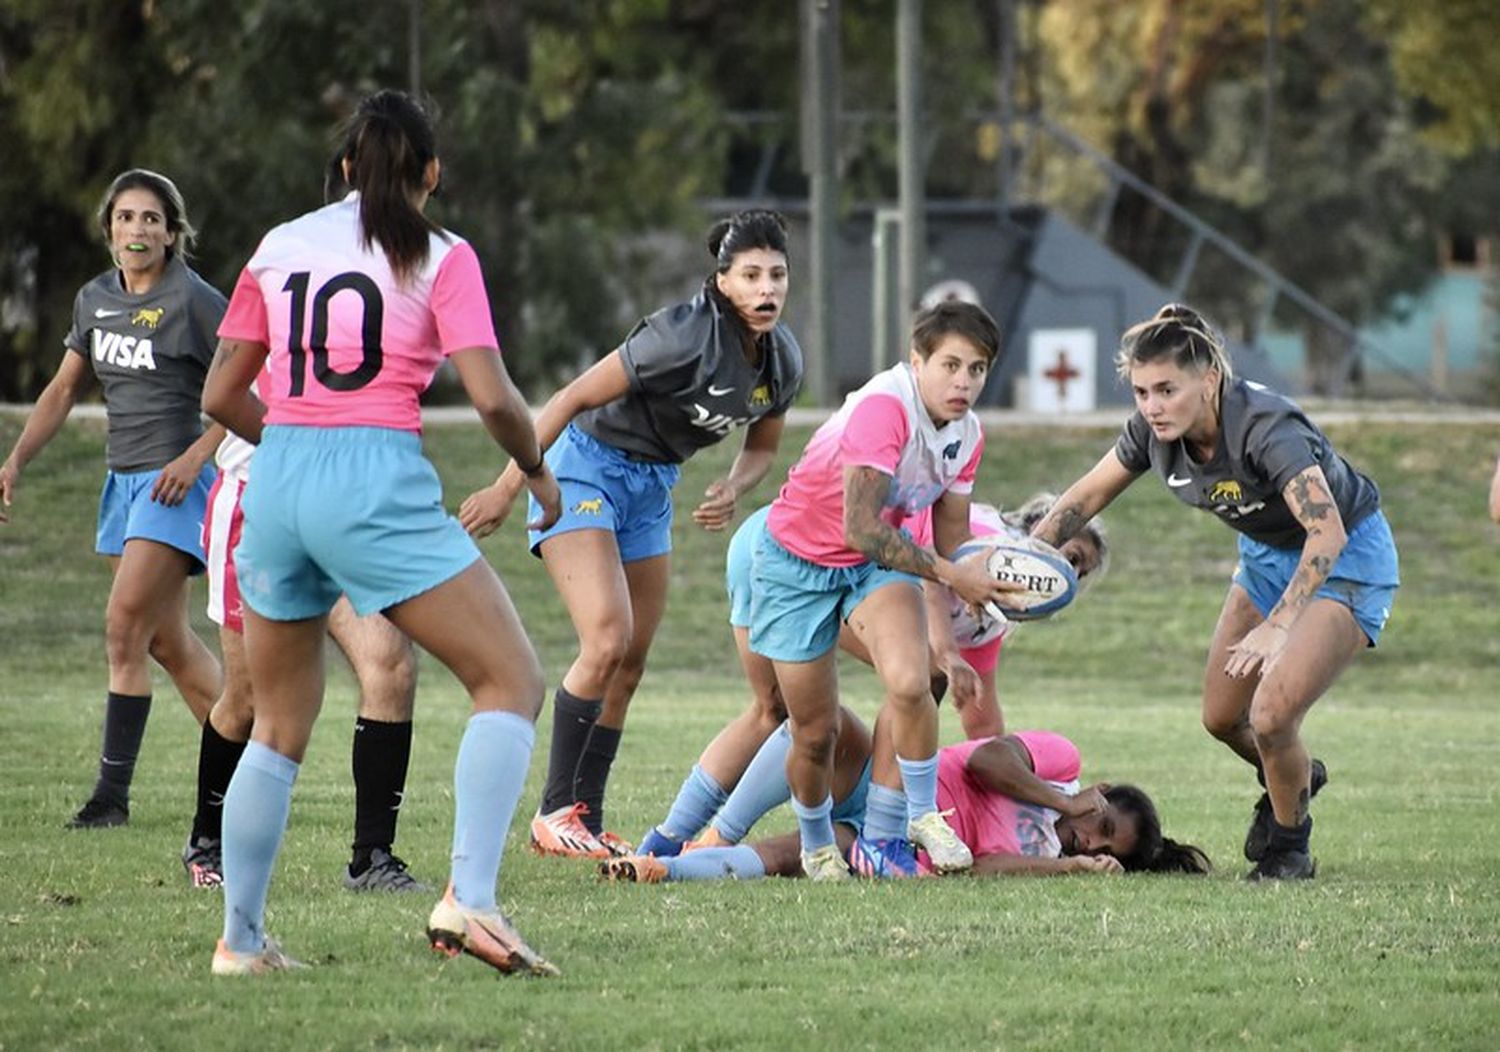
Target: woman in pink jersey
(834, 553)
(351, 309)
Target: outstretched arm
(1031, 866)
(1083, 500)
(47, 417)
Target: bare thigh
(590, 579)
(469, 624)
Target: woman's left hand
(1259, 649)
(717, 511)
(175, 480)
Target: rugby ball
(1048, 580)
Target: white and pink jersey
(885, 426)
(991, 823)
(350, 346)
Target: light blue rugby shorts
(353, 510)
(738, 560)
(797, 607)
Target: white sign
(1060, 370)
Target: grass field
(1396, 945)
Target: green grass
(1396, 945)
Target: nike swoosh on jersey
(1175, 482)
(100, 312)
(719, 392)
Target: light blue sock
(762, 789)
(919, 779)
(255, 809)
(716, 863)
(487, 780)
(885, 813)
(697, 801)
(814, 824)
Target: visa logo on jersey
(128, 352)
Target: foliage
(581, 137)
(1443, 56)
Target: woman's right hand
(483, 511)
(974, 585)
(10, 478)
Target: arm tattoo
(1070, 520)
(865, 491)
(1311, 499)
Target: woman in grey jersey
(1317, 565)
(683, 379)
(145, 328)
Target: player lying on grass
(964, 651)
(1014, 800)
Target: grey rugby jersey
(1264, 442)
(690, 384)
(151, 353)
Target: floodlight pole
(820, 108)
(912, 184)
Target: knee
(388, 685)
(234, 712)
(127, 639)
(1222, 725)
(909, 689)
(606, 647)
(628, 673)
(814, 740)
(1272, 722)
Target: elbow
(215, 405)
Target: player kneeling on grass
(1317, 569)
(342, 501)
(964, 651)
(1014, 800)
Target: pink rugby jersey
(885, 426)
(351, 347)
(994, 824)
